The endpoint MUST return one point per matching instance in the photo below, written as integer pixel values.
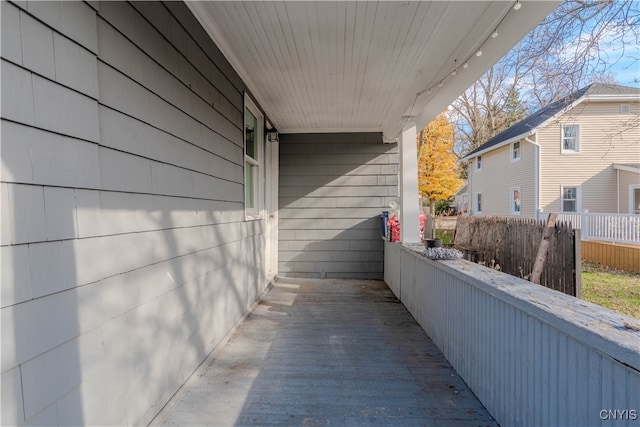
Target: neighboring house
(581, 152)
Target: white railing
(532, 355)
(621, 228)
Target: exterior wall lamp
(272, 135)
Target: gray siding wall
(125, 254)
(333, 188)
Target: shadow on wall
(41, 349)
(110, 303)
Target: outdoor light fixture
(494, 34)
(465, 65)
(479, 53)
(517, 6)
(272, 135)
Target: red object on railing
(394, 227)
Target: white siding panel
(42, 385)
(11, 397)
(123, 172)
(76, 67)
(50, 267)
(16, 155)
(60, 213)
(16, 275)
(37, 46)
(78, 118)
(23, 214)
(89, 213)
(17, 94)
(11, 36)
(52, 319)
(76, 20)
(39, 157)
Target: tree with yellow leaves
(438, 174)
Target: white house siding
(498, 175)
(605, 138)
(125, 254)
(333, 188)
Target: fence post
(538, 214)
(585, 224)
(577, 256)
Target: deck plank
(328, 353)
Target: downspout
(536, 174)
(618, 190)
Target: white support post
(409, 209)
(585, 224)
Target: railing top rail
(611, 214)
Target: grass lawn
(613, 289)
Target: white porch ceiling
(323, 66)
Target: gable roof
(539, 119)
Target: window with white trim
(570, 201)
(634, 199)
(515, 200)
(479, 163)
(515, 151)
(253, 145)
(478, 203)
(570, 139)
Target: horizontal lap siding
(627, 180)
(499, 175)
(606, 137)
(125, 255)
(333, 188)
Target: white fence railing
(620, 228)
(532, 355)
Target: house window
(515, 201)
(569, 199)
(570, 138)
(634, 199)
(515, 151)
(479, 163)
(478, 202)
(253, 138)
(624, 109)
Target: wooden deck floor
(327, 353)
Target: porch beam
(409, 226)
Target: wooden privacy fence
(511, 245)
